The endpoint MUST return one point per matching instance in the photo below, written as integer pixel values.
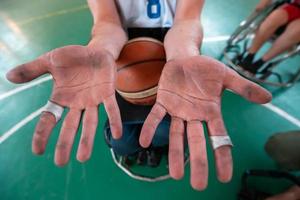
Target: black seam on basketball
(139, 90)
(141, 62)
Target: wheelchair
(238, 43)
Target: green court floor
(32, 27)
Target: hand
(190, 90)
(83, 78)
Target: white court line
(283, 114)
(24, 87)
(216, 39)
(19, 125)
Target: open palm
(83, 78)
(190, 91)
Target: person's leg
(277, 18)
(289, 38)
(161, 137)
(128, 144)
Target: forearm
(107, 31)
(184, 39)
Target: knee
(294, 32)
(267, 26)
(276, 19)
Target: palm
(83, 78)
(190, 91)
(191, 88)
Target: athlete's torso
(146, 13)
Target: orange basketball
(139, 67)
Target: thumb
(28, 71)
(247, 89)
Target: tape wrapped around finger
(54, 109)
(219, 141)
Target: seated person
(288, 14)
(84, 77)
(133, 117)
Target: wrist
(109, 37)
(182, 53)
(183, 39)
(98, 44)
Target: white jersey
(146, 13)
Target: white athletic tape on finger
(219, 141)
(54, 109)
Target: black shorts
(156, 33)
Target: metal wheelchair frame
(238, 42)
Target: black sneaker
(247, 63)
(154, 156)
(141, 157)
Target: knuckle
(175, 153)
(199, 163)
(39, 131)
(177, 132)
(85, 141)
(195, 139)
(62, 145)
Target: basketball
(139, 67)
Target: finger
(152, 121)
(198, 155)
(42, 132)
(28, 71)
(114, 116)
(176, 148)
(247, 89)
(66, 137)
(89, 126)
(223, 157)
